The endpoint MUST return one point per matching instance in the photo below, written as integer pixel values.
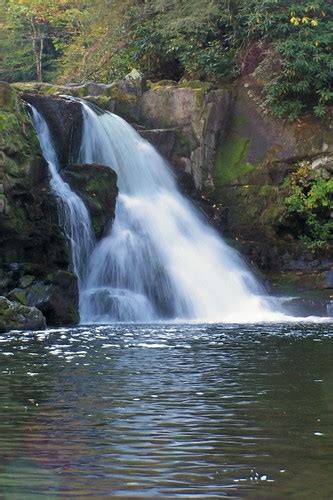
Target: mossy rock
(37, 87)
(230, 163)
(18, 295)
(196, 84)
(161, 84)
(15, 316)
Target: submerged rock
(15, 316)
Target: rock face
(18, 317)
(97, 186)
(195, 117)
(255, 160)
(33, 248)
(64, 118)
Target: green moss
(122, 96)
(196, 84)
(200, 95)
(184, 146)
(18, 295)
(230, 161)
(17, 136)
(32, 87)
(161, 84)
(292, 281)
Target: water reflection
(163, 410)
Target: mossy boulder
(97, 186)
(15, 316)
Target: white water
(161, 260)
(73, 215)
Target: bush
(309, 205)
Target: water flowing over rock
(97, 186)
(74, 216)
(229, 155)
(160, 260)
(64, 121)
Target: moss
(32, 86)
(56, 89)
(184, 146)
(122, 96)
(196, 84)
(161, 84)
(17, 136)
(292, 281)
(230, 163)
(200, 95)
(103, 101)
(18, 295)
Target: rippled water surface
(159, 411)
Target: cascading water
(73, 215)
(161, 260)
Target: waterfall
(73, 215)
(161, 260)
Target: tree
(41, 22)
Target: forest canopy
(289, 44)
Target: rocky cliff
(35, 261)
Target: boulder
(58, 299)
(135, 82)
(97, 186)
(15, 316)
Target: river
(167, 410)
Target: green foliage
(209, 40)
(34, 34)
(309, 206)
(176, 38)
(301, 33)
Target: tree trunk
(38, 45)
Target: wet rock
(19, 317)
(63, 305)
(26, 281)
(64, 118)
(18, 295)
(58, 299)
(97, 186)
(328, 279)
(163, 139)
